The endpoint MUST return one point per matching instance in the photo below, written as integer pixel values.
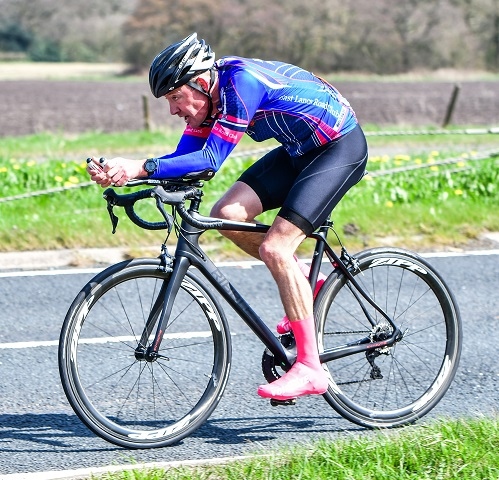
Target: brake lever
(110, 206)
(168, 218)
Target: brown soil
(34, 106)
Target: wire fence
(486, 154)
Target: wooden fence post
(145, 109)
(451, 105)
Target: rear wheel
(395, 385)
(119, 393)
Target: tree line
(380, 37)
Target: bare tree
(382, 36)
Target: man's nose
(174, 110)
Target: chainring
(270, 370)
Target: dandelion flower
(389, 204)
(58, 179)
(458, 191)
(434, 168)
(72, 179)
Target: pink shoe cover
(306, 376)
(300, 380)
(283, 326)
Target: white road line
(473, 253)
(82, 473)
(241, 264)
(123, 339)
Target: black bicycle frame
(188, 253)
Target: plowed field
(33, 106)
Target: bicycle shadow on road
(52, 429)
(65, 432)
(244, 430)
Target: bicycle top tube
(176, 192)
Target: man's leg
(240, 203)
(277, 251)
(307, 375)
(284, 325)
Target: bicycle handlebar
(166, 192)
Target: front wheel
(396, 385)
(121, 394)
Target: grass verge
(455, 449)
(431, 205)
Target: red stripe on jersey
(232, 119)
(226, 134)
(203, 132)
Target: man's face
(189, 104)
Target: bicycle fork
(161, 310)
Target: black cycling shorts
(308, 187)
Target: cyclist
(323, 153)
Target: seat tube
(320, 240)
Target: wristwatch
(151, 165)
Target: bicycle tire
(414, 373)
(142, 404)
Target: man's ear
(202, 83)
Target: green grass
(445, 205)
(455, 449)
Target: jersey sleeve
(208, 147)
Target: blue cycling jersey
(265, 99)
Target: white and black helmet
(178, 63)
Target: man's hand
(116, 171)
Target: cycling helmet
(178, 63)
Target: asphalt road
(39, 431)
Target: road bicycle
(145, 348)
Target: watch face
(150, 166)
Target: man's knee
(272, 253)
(229, 211)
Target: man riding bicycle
(323, 153)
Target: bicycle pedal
(275, 403)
